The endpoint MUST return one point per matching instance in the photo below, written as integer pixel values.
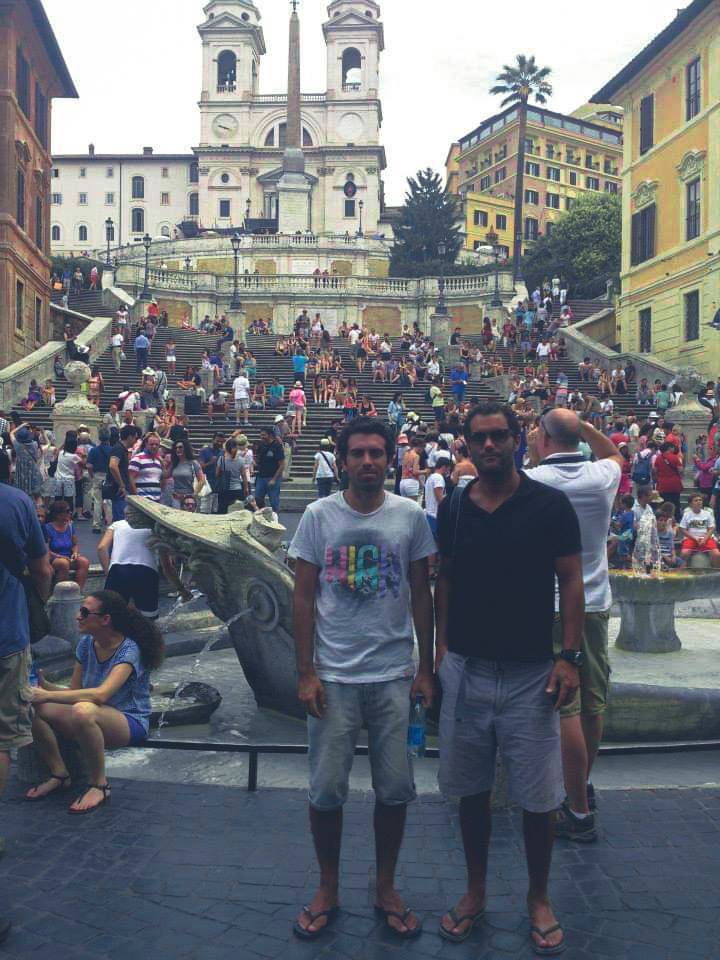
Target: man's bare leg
(575, 763)
(326, 826)
(389, 825)
(476, 826)
(539, 832)
(592, 727)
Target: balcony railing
(570, 158)
(227, 88)
(609, 168)
(271, 98)
(592, 165)
(352, 87)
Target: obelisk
(293, 187)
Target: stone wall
(223, 266)
(343, 268)
(177, 310)
(383, 319)
(378, 268)
(468, 317)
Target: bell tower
(233, 44)
(354, 37)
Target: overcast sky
(137, 66)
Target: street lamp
(441, 307)
(492, 239)
(361, 205)
(235, 303)
(147, 242)
(108, 236)
(188, 264)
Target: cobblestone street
(199, 872)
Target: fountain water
(647, 558)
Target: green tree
(583, 248)
(429, 219)
(518, 84)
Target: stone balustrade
(426, 288)
(15, 379)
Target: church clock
(225, 126)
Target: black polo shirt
(268, 458)
(502, 585)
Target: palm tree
(518, 84)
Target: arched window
(194, 205)
(351, 69)
(138, 220)
(82, 234)
(281, 137)
(55, 234)
(138, 188)
(194, 172)
(227, 71)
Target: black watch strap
(575, 657)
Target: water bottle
(33, 678)
(416, 729)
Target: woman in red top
(668, 475)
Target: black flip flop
(547, 951)
(64, 784)
(104, 788)
(304, 934)
(408, 934)
(460, 937)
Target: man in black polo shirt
(270, 461)
(120, 481)
(503, 539)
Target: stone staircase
(88, 302)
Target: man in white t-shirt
(241, 389)
(591, 488)
(131, 566)
(698, 525)
(118, 342)
(353, 338)
(543, 350)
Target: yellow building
(671, 191)
(565, 156)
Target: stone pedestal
(76, 408)
(179, 397)
(293, 194)
(690, 418)
(440, 327)
(62, 608)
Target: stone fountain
(75, 408)
(648, 595)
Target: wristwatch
(575, 657)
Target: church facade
(233, 175)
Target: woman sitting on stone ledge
(108, 701)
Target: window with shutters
(138, 188)
(553, 173)
(485, 183)
(532, 169)
(500, 174)
(19, 305)
(38, 319)
(692, 315)
(500, 221)
(643, 235)
(138, 220)
(224, 209)
(82, 234)
(693, 89)
(22, 82)
(552, 200)
(194, 204)
(592, 183)
(531, 228)
(55, 234)
(610, 187)
(20, 209)
(532, 196)
(647, 123)
(645, 318)
(41, 115)
(39, 239)
(480, 218)
(692, 216)
(573, 178)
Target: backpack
(641, 473)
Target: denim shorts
(489, 705)
(385, 709)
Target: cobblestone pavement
(200, 872)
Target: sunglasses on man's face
(496, 437)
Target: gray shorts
(385, 709)
(490, 705)
(242, 403)
(15, 701)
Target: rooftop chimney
(91, 149)
(147, 151)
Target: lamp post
(147, 242)
(361, 205)
(492, 239)
(188, 263)
(441, 306)
(108, 236)
(235, 303)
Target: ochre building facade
(671, 192)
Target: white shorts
(409, 488)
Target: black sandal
(304, 934)
(62, 781)
(105, 788)
(408, 934)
